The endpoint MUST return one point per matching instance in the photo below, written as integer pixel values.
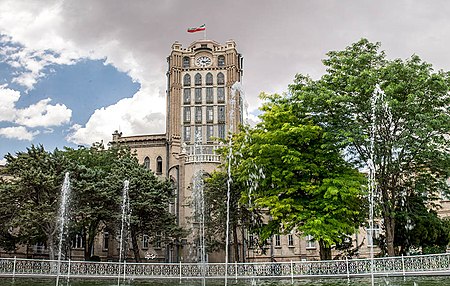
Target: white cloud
(8, 99)
(141, 114)
(2, 162)
(43, 114)
(18, 132)
(40, 114)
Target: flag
(197, 29)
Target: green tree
(303, 182)
(32, 196)
(241, 219)
(419, 226)
(94, 207)
(411, 150)
(149, 198)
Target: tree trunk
(134, 241)
(236, 244)
(389, 224)
(324, 250)
(51, 248)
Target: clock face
(203, 61)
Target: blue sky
(72, 72)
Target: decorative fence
(390, 266)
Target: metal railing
(438, 264)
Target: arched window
(221, 61)
(147, 163)
(198, 79)
(187, 80)
(209, 79)
(186, 62)
(220, 78)
(159, 166)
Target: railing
(438, 264)
(202, 158)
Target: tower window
(159, 166)
(187, 96)
(221, 113)
(221, 131)
(209, 95)
(187, 133)
(220, 94)
(187, 80)
(147, 163)
(209, 114)
(220, 79)
(187, 114)
(209, 79)
(186, 62)
(198, 79)
(209, 132)
(198, 95)
(221, 61)
(198, 114)
(198, 134)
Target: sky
(72, 72)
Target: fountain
(125, 224)
(199, 203)
(62, 220)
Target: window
(77, 241)
(198, 95)
(187, 114)
(310, 242)
(220, 79)
(220, 94)
(198, 79)
(221, 131)
(159, 165)
(209, 132)
(187, 96)
(186, 62)
(209, 114)
(221, 113)
(209, 79)
(105, 240)
(209, 95)
(157, 242)
(147, 163)
(290, 240)
(198, 134)
(145, 241)
(187, 133)
(198, 114)
(39, 247)
(251, 241)
(375, 232)
(221, 61)
(277, 240)
(187, 80)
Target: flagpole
(204, 34)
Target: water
(384, 281)
(62, 220)
(125, 225)
(199, 203)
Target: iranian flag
(197, 29)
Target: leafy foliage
(303, 182)
(412, 123)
